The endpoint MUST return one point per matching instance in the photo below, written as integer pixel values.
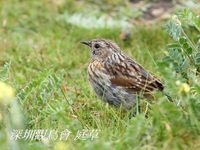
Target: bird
(116, 78)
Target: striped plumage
(115, 77)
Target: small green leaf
(176, 56)
(185, 65)
(197, 59)
(183, 40)
(198, 44)
(174, 30)
(167, 59)
(197, 55)
(197, 23)
(185, 45)
(189, 50)
(173, 45)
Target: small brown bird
(115, 77)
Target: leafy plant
(184, 54)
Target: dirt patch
(158, 10)
(153, 11)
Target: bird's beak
(88, 43)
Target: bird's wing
(133, 77)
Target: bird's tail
(168, 96)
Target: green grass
(42, 58)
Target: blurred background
(43, 77)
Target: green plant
(184, 53)
(41, 58)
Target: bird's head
(101, 48)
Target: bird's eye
(96, 45)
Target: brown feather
(134, 77)
(132, 85)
